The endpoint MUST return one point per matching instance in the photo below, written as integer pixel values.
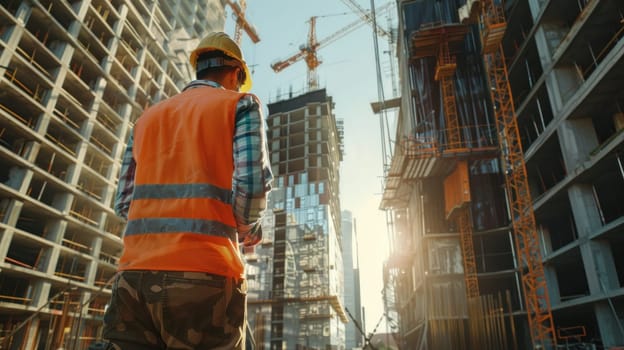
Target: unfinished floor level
(74, 76)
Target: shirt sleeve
(125, 187)
(252, 171)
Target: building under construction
(295, 275)
(74, 78)
(505, 186)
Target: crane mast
(311, 58)
(493, 26)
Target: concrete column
(138, 72)
(86, 130)
(41, 293)
(31, 340)
(544, 233)
(65, 53)
(14, 38)
(587, 219)
(5, 243)
(83, 146)
(567, 82)
(123, 12)
(73, 172)
(536, 7)
(591, 268)
(586, 214)
(81, 7)
(605, 265)
(161, 79)
(552, 284)
(41, 288)
(598, 261)
(552, 88)
(55, 231)
(77, 326)
(108, 197)
(11, 216)
(19, 178)
(87, 127)
(561, 82)
(609, 325)
(120, 147)
(41, 296)
(551, 34)
(96, 247)
(577, 138)
(126, 110)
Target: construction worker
(193, 186)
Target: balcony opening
(617, 249)
(15, 289)
(557, 225)
(546, 169)
(24, 253)
(71, 266)
(571, 275)
(494, 252)
(608, 185)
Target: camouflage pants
(176, 310)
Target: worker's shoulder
(213, 91)
(244, 100)
(249, 96)
(206, 95)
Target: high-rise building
(459, 266)
(295, 275)
(75, 76)
(352, 301)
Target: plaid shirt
(252, 172)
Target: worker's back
(181, 217)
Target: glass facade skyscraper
(296, 274)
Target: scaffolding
(562, 91)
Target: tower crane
(366, 16)
(238, 10)
(493, 25)
(308, 50)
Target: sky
(348, 72)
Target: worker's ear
(241, 76)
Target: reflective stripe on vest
(168, 191)
(169, 225)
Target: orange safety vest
(180, 217)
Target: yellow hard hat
(219, 41)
